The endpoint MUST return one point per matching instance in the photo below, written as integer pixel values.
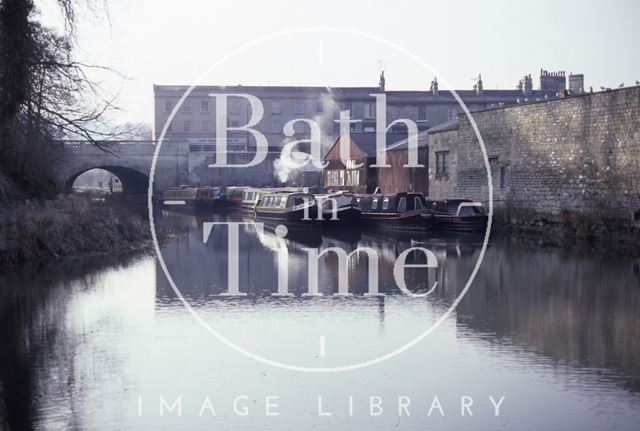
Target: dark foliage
(44, 95)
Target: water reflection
(556, 330)
(50, 362)
(577, 308)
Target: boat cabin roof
(451, 206)
(396, 202)
(284, 199)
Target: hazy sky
(174, 42)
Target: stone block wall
(572, 157)
(443, 186)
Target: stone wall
(443, 186)
(574, 160)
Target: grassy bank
(71, 225)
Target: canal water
(551, 335)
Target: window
(194, 148)
(168, 105)
(204, 126)
(234, 107)
(385, 203)
(374, 204)
(369, 110)
(276, 107)
(369, 128)
(453, 114)
(402, 205)
(276, 127)
(234, 123)
(204, 106)
(186, 126)
(186, 106)
(417, 203)
(353, 178)
(170, 128)
(333, 178)
(346, 106)
(300, 127)
(298, 107)
(353, 128)
(469, 211)
(319, 107)
(422, 113)
(351, 164)
(503, 177)
(442, 162)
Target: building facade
(443, 161)
(194, 124)
(355, 174)
(570, 163)
(399, 176)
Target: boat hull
(189, 205)
(291, 218)
(411, 221)
(346, 216)
(476, 224)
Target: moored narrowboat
(338, 209)
(400, 211)
(234, 196)
(294, 210)
(188, 197)
(250, 198)
(458, 215)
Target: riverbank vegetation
(47, 95)
(37, 231)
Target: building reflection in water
(575, 307)
(75, 337)
(572, 306)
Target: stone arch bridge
(130, 161)
(178, 163)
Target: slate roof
(444, 127)
(366, 141)
(413, 96)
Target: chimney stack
(478, 86)
(552, 81)
(525, 85)
(382, 81)
(434, 86)
(576, 83)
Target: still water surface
(94, 344)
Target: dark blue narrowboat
(400, 211)
(458, 215)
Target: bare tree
(45, 94)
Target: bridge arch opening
(113, 179)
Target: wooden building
(357, 175)
(398, 178)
